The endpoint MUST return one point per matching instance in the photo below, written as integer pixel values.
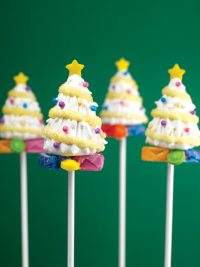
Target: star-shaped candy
(176, 72)
(122, 64)
(21, 78)
(75, 68)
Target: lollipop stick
(24, 210)
(169, 215)
(71, 197)
(122, 204)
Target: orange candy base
(155, 154)
(5, 146)
(116, 131)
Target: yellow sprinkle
(173, 93)
(17, 111)
(133, 98)
(92, 120)
(74, 91)
(71, 140)
(192, 141)
(70, 165)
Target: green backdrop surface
(40, 38)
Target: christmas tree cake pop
(22, 123)
(123, 107)
(73, 128)
(174, 125)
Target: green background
(40, 38)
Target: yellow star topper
(122, 64)
(21, 78)
(75, 68)
(176, 72)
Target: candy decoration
(163, 99)
(163, 123)
(123, 115)
(76, 143)
(25, 105)
(176, 157)
(65, 129)
(56, 145)
(22, 135)
(93, 108)
(61, 104)
(85, 84)
(17, 146)
(55, 101)
(172, 143)
(97, 131)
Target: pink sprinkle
(85, 84)
(187, 130)
(41, 121)
(12, 101)
(128, 91)
(65, 129)
(178, 84)
(121, 102)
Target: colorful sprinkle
(178, 84)
(12, 101)
(113, 86)
(65, 129)
(55, 101)
(193, 112)
(27, 88)
(85, 84)
(121, 102)
(163, 99)
(41, 121)
(61, 104)
(163, 123)
(187, 130)
(56, 145)
(93, 108)
(25, 105)
(97, 130)
(2, 120)
(105, 107)
(128, 91)
(125, 73)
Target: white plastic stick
(24, 210)
(122, 204)
(169, 215)
(71, 200)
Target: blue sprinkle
(125, 73)
(55, 101)
(105, 107)
(93, 108)
(163, 99)
(25, 105)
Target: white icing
(167, 145)
(80, 130)
(123, 106)
(76, 81)
(71, 104)
(171, 102)
(172, 85)
(19, 102)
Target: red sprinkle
(12, 101)
(187, 130)
(85, 84)
(65, 129)
(178, 84)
